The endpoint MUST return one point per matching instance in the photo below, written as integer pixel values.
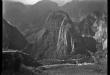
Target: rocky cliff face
(64, 39)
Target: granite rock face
(64, 39)
(60, 33)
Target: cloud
(59, 2)
(26, 2)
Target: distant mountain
(20, 14)
(77, 9)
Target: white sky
(61, 2)
(31, 2)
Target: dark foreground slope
(76, 70)
(12, 38)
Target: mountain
(77, 9)
(31, 18)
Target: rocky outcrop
(66, 38)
